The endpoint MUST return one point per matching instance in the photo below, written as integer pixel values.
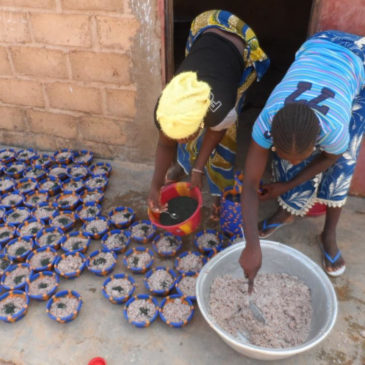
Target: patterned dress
(219, 168)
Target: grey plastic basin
(277, 258)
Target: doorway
(281, 26)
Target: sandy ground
(101, 330)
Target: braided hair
(295, 128)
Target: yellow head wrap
(183, 105)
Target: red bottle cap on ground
(97, 361)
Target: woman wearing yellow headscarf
(197, 111)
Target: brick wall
(67, 74)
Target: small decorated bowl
(15, 169)
(76, 242)
(15, 276)
(50, 185)
(166, 244)
(65, 219)
(70, 265)
(97, 227)
(30, 228)
(208, 241)
(78, 172)
(58, 171)
(17, 216)
(63, 156)
(142, 231)
(42, 259)
(121, 217)
(26, 155)
(102, 262)
(73, 186)
(43, 160)
(6, 184)
(67, 201)
(44, 212)
(118, 288)
(159, 280)
(27, 185)
(19, 248)
(7, 155)
(101, 168)
(13, 305)
(64, 306)
(42, 285)
(7, 233)
(95, 196)
(141, 310)
(50, 236)
(83, 157)
(190, 262)
(5, 262)
(11, 200)
(33, 199)
(138, 259)
(96, 182)
(116, 240)
(176, 311)
(88, 211)
(185, 285)
(35, 172)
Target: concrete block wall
(67, 74)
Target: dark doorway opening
(280, 25)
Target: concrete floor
(101, 330)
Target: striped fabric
(326, 70)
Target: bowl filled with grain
(101, 262)
(293, 294)
(118, 288)
(64, 306)
(160, 280)
(116, 240)
(13, 305)
(166, 244)
(141, 310)
(42, 285)
(176, 310)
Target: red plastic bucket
(172, 191)
(317, 210)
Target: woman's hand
(154, 200)
(271, 191)
(250, 261)
(196, 179)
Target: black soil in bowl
(179, 209)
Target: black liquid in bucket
(182, 206)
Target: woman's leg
(329, 242)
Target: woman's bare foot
(333, 262)
(280, 218)
(174, 174)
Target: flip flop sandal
(273, 226)
(339, 271)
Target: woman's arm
(255, 165)
(320, 163)
(210, 141)
(165, 155)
